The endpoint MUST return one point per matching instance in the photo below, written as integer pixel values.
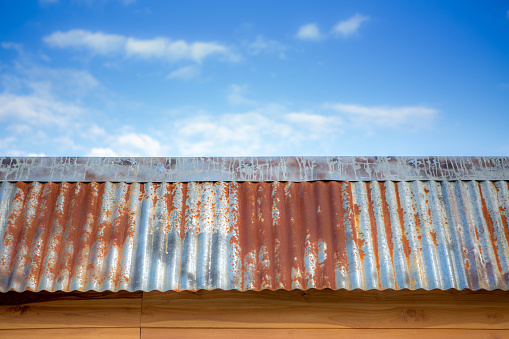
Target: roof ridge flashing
(253, 169)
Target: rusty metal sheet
(253, 169)
(253, 236)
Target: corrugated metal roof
(253, 169)
(252, 236)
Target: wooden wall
(266, 314)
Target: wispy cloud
(345, 28)
(318, 125)
(309, 32)
(185, 73)
(162, 48)
(263, 45)
(13, 46)
(129, 144)
(384, 116)
(237, 95)
(40, 106)
(350, 26)
(96, 43)
(41, 112)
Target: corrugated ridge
(254, 236)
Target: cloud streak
(267, 46)
(384, 116)
(185, 73)
(237, 95)
(309, 32)
(350, 26)
(162, 48)
(345, 29)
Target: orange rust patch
(434, 237)
(373, 228)
(491, 228)
(406, 243)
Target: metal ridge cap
(255, 169)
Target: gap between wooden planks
(311, 309)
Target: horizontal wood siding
(326, 309)
(270, 314)
(72, 333)
(67, 310)
(249, 333)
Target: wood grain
(67, 310)
(77, 333)
(325, 309)
(158, 333)
(310, 309)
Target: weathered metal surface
(257, 169)
(252, 236)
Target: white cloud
(34, 109)
(13, 46)
(309, 32)
(40, 116)
(7, 146)
(138, 143)
(416, 116)
(317, 125)
(157, 48)
(264, 45)
(185, 73)
(348, 27)
(128, 143)
(97, 43)
(101, 152)
(230, 134)
(236, 95)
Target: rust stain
(434, 238)
(406, 243)
(276, 235)
(266, 248)
(324, 234)
(505, 225)
(338, 222)
(356, 234)
(491, 228)
(40, 233)
(296, 241)
(374, 229)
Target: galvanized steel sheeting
(252, 236)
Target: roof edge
(255, 169)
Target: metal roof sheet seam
(254, 235)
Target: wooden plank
(325, 309)
(75, 333)
(67, 310)
(160, 333)
(464, 298)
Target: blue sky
(243, 78)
